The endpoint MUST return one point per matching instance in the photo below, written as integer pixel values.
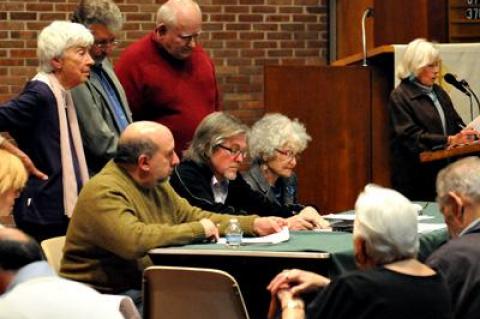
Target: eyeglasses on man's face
(189, 38)
(103, 44)
(235, 152)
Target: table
(254, 266)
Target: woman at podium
(422, 118)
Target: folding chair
(182, 292)
(53, 250)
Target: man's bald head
(175, 12)
(143, 129)
(146, 150)
(143, 137)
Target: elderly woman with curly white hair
(391, 282)
(275, 143)
(43, 122)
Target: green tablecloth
(339, 244)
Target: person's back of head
(387, 222)
(13, 177)
(458, 194)
(462, 177)
(17, 250)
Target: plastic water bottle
(233, 233)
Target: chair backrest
(182, 292)
(53, 250)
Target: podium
(336, 105)
(460, 151)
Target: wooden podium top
(463, 150)
(358, 57)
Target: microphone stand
(367, 13)
(465, 84)
(471, 107)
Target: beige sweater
(116, 222)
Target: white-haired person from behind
(390, 282)
(275, 143)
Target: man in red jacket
(167, 76)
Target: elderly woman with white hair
(391, 282)
(422, 118)
(275, 143)
(43, 122)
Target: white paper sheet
(349, 216)
(425, 228)
(276, 238)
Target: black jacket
(193, 182)
(417, 127)
(32, 119)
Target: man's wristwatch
(293, 304)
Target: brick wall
(240, 35)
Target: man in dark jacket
(458, 195)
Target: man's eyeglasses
(289, 154)
(189, 38)
(234, 152)
(103, 44)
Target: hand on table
(268, 225)
(211, 231)
(307, 219)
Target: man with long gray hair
(458, 195)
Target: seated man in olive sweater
(129, 208)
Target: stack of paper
(276, 238)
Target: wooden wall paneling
(382, 85)
(349, 32)
(398, 22)
(334, 104)
(437, 16)
(463, 21)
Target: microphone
(367, 13)
(459, 85)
